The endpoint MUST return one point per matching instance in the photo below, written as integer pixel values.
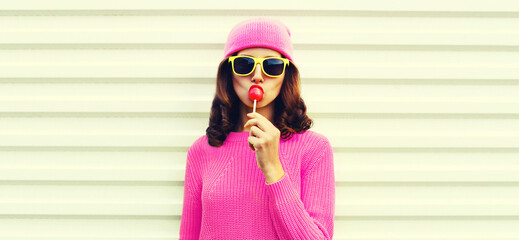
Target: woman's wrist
(273, 175)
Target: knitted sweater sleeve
(309, 216)
(190, 222)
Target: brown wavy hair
(289, 108)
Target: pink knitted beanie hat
(260, 32)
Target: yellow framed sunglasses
(271, 66)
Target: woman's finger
(255, 131)
(251, 122)
(260, 121)
(253, 143)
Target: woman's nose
(257, 75)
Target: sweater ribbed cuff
(282, 191)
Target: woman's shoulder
(312, 137)
(314, 147)
(309, 141)
(200, 142)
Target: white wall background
(99, 101)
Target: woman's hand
(264, 140)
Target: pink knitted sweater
(226, 195)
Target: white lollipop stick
(254, 109)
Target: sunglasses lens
(273, 66)
(243, 65)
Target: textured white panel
(97, 228)
(372, 5)
(426, 228)
(211, 33)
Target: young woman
(263, 174)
